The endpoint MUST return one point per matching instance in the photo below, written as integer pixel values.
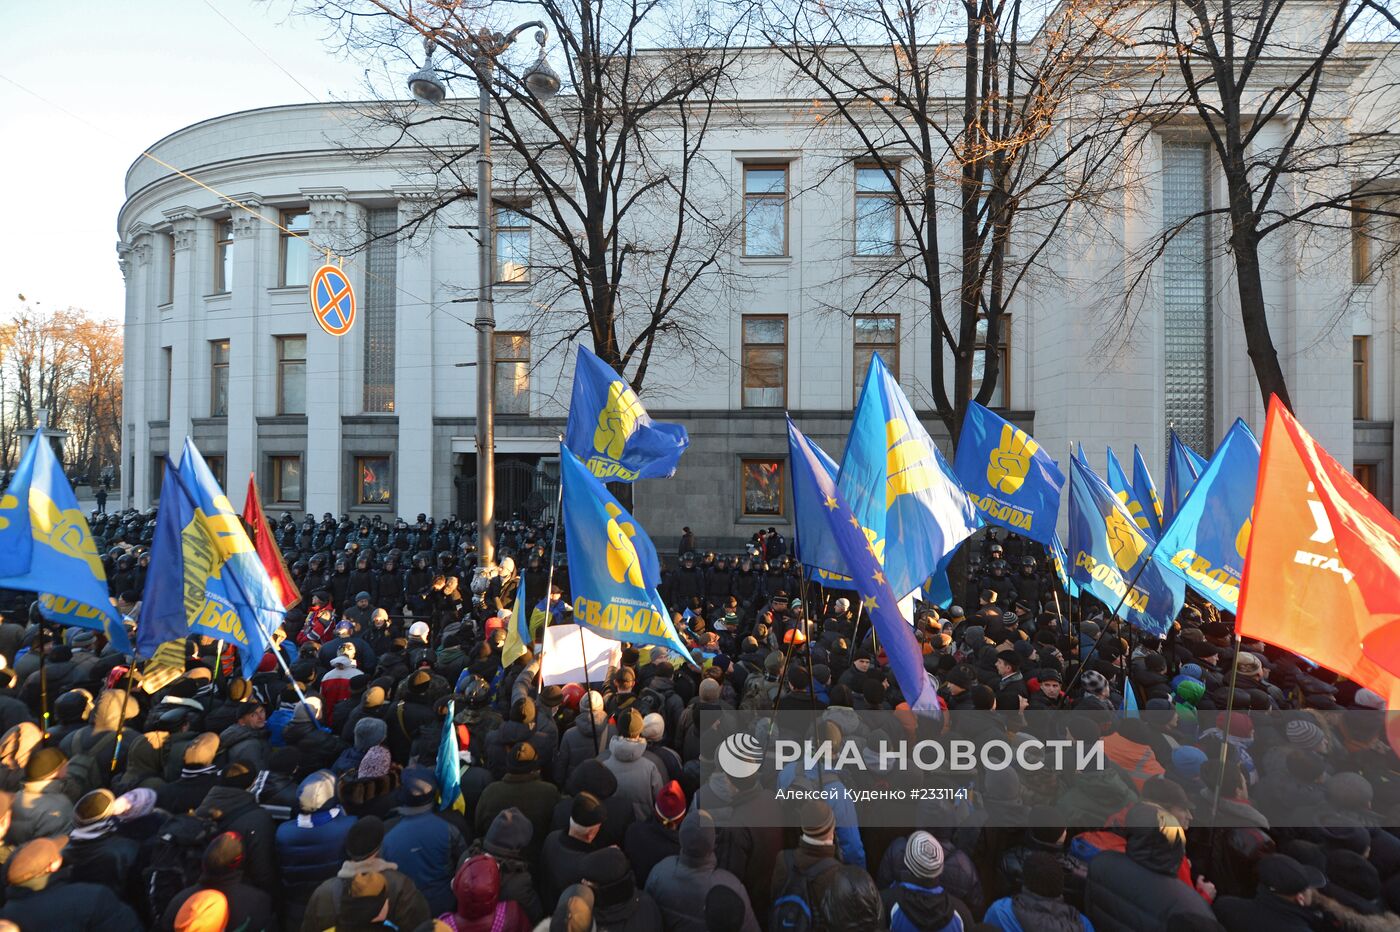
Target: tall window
(373, 484)
(1361, 378)
(1001, 395)
(1188, 314)
(223, 256)
(295, 260)
(761, 487)
(765, 362)
(1363, 234)
(215, 462)
(157, 477)
(378, 310)
(167, 355)
(877, 214)
(291, 375)
(875, 333)
(512, 246)
(218, 378)
(765, 210)
(169, 296)
(286, 480)
(1365, 474)
(512, 373)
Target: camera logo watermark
(740, 755)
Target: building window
(291, 375)
(765, 362)
(169, 296)
(295, 260)
(1187, 289)
(157, 476)
(167, 358)
(286, 480)
(1001, 395)
(223, 256)
(1365, 474)
(877, 212)
(512, 246)
(512, 373)
(373, 485)
(875, 333)
(218, 378)
(216, 466)
(761, 485)
(1363, 235)
(1361, 378)
(378, 307)
(765, 210)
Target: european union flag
(898, 486)
(869, 578)
(46, 547)
(1112, 558)
(612, 432)
(1009, 477)
(1122, 489)
(1145, 491)
(205, 575)
(613, 569)
(816, 548)
(449, 768)
(1205, 543)
(1183, 468)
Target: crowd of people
(186, 797)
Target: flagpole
(1229, 710)
(121, 726)
(549, 579)
(43, 682)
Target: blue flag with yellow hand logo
(1145, 491)
(205, 576)
(869, 578)
(1059, 560)
(1111, 559)
(1184, 466)
(46, 547)
(906, 498)
(610, 430)
(1009, 477)
(613, 569)
(1122, 489)
(1206, 541)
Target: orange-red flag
(1322, 576)
(266, 545)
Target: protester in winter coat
(425, 847)
(508, 841)
(232, 808)
(478, 906)
(521, 788)
(246, 741)
(638, 779)
(95, 852)
(38, 897)
(1040, 906)
(310, 848)
(1139, 891)
(363, 855)
(920, 904)
(680, 884)
(1283, 902)
(618, 906)
(221, 871)
(650, 842)
(41, 809)
(561, 856)
(851, 902)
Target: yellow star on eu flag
(830, 503)
(855, 522)
(870, 603)
(879, 577)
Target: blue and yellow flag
(1183, 468)
(1060, 561)
(816, 548)
(869, 579)
(1122, 489)
(1112, 558)
(1207, 540)
(613, 569)
(46, 547)
(449, 767)
(611, 431)
(1009, 477)
(1145, 491)
(518, 638)
(905, 497)
(205, 575)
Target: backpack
(90, 767)
(758, 693)
(178, 858)
(792, 908)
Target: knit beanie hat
(1094, 682)
(654, 726)
(369, 732)
(709, 689)
(724, 910)
(818, 822)
(224, 856)
(363, 899)
(1043, 875)
(670, 802)
(93, 808)
(629, 724)
(364, 838)
(923, 856)
(375, 763)
(1305, 734)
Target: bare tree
(1285, 115)
(994, 121)
(613, 171)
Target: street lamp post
(429, 85)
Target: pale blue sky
(136, 70)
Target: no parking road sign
(332, 300)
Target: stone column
(413, 363)
(190, 354)
(327, 359)
(252, 350)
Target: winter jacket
(524, 791)
(40, 810)
(647, 844)
(1076, 871)
(317, 748)
(561, 864)
(310, 849)
(235, 810)
(69, 907)
(427, 850)
(680, 884)
(249, 908)
(508, 841)
(1030, 912)
(1139, 891)
(638, 779)
(244, 745)
(1265, 911)
(589, 734)
(407, 907)
(108, 860)
(911, 906)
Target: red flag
(1324, 562)
(266, 546)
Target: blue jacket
(1003, 916)
(427, 849)
(278, 721)
(310, 849)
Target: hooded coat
(508, 841)
(1139, 890)
(590, 733)
(310, 849)
(407, 907)
(680, 884)
(428, 850)
(638, 779)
